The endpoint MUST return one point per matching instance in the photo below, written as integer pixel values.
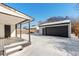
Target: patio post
(29, 32)
(20, 30)
(16, 29)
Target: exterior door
(7, 31)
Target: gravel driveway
(50, 46)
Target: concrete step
(8, 49)
(12, 50)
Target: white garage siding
(69, 29)
(40, 30)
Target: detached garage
(59, 28)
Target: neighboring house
(58, 28)
(9, 18)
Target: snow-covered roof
(57, 22)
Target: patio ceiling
(9, 15)
(8, 19)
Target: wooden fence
(25, 31)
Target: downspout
(29, 32)
(20, 30)
(16, 29)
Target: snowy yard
(50, 46)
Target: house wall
(13, 31)
(1, 30)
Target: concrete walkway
(50, 46)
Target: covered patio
(9, 19)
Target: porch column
(29, 32)
(69, 30)
(16, 30)
(20, 30)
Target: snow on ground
(50, 46)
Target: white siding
(69, 30)
(1, 30)
(40, 30)
(12, 30)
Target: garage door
(56, 31)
